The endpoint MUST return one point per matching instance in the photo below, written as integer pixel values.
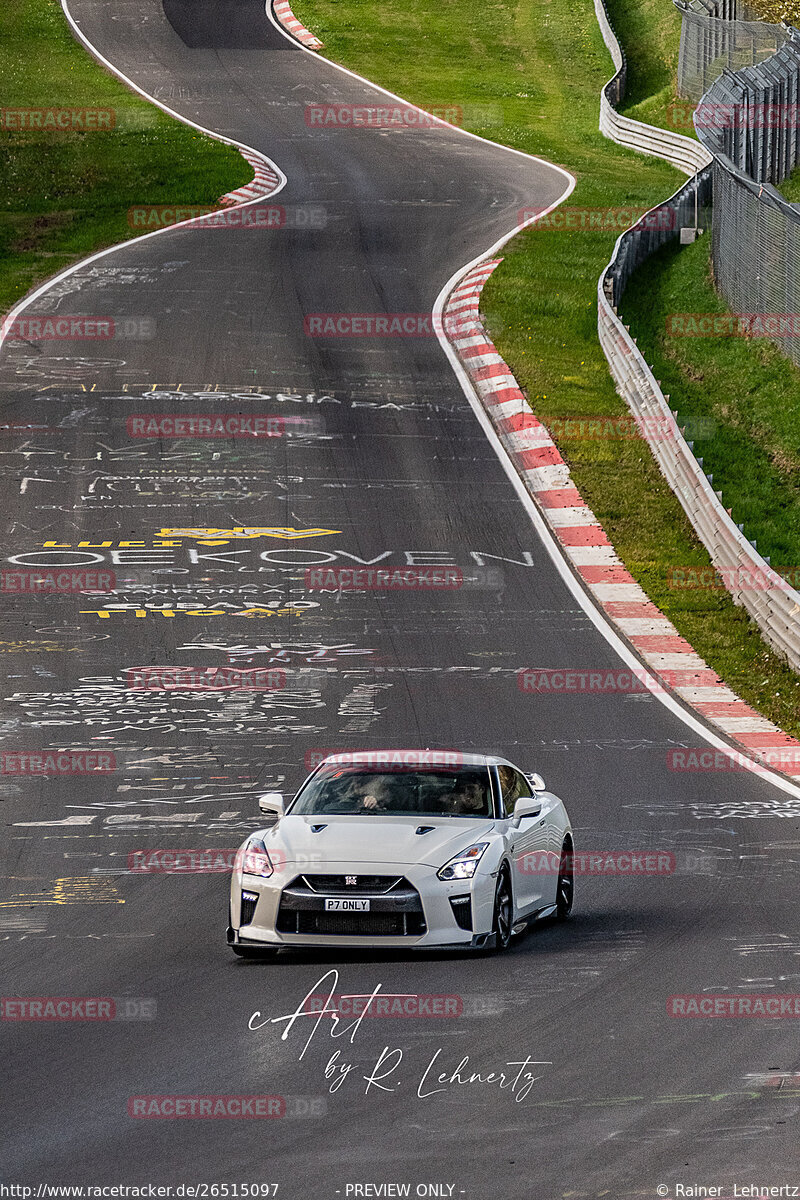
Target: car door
(534, 872)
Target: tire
(503, 918)
(565, 888)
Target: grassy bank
(652, 31)
(528, 74)
(65, 194)
(747, 389)
(790, 187)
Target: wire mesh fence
(749, 123)
(756, 250)
(720, 35)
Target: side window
(512, 785)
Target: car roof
(420, 757)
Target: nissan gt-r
(412, 848)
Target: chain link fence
(749, 122)
(720, 35)
(756, 251)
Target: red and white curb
(267, 178)
(296, 28)
(583, 541)
(264, 183)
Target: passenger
(469, 800)
(509, 785)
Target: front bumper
(283, 911)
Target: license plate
(346, 905)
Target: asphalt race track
(382, 456)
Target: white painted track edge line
(554, 549)
(7, 323)
(550, 543)
(416, 108)
(220, 137)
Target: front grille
(336, 885)
(249, 902)
(395, 907)
(335, 924)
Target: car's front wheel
(503, 921)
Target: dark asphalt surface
(393, 465)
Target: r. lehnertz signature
(384, 1073)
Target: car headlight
(464, 865)
(254, 858)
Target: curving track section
(385, 461)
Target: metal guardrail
(745, 573)
(684, 153)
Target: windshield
(354, 791)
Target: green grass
(745, 387)
(652, 32)
(532, 70)
(790, 187)
(64, 195)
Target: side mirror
(526, 806)
(536, 782)
(272, 802)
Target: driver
(364, 795)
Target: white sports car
(386, 848)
